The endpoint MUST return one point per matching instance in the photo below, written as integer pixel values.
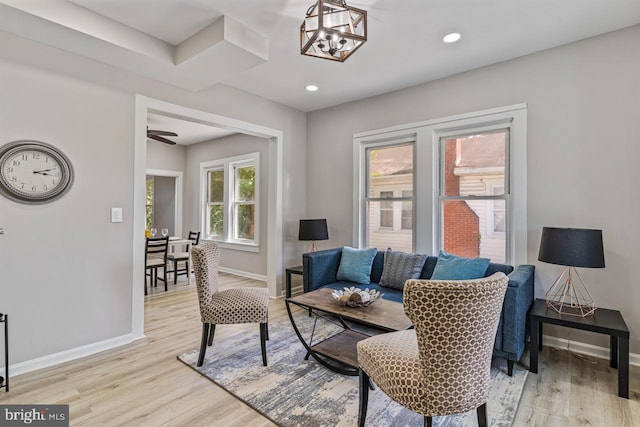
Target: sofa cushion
(399, 267)
(355, 265)
(452, 267)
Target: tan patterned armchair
(441, 367)
(229, 306)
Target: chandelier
(333, 30)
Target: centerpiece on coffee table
(356, 297)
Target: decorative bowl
(356, 297)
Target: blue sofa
(320, 269)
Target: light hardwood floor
(143, 384)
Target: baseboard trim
(68, 355)
(261, 277)
(585, 349)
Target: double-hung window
(468, 188)
(474, 191)
(230, 199)
(389, 196)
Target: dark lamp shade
(313, 229)
(574, 247)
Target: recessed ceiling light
(311, 88)
(451, 38)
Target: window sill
(246, 247)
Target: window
(469, 191)
(149, 203)
(389, 196)
(230, 200)
(386, 210)
(474, 176)
(215, 203)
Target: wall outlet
(116, 214)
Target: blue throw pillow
(452, 267)
(355, 265)
(399, 267)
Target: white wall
(583, 133)
(65, 270)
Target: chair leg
(203, 343)
(175, 272)
(364, 396)
(482, 415)
(145, 281)
(212, 331)
(510, 364)
(428, 421)
(264, 332)
(164, 276)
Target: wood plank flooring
(142, 384)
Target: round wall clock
(34, 172)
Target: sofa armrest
(517, 302)
(320, 268)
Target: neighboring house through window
(230, 199)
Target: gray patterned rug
(294, 392)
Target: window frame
(426, 135)
(230, 165)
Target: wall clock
(34, 172)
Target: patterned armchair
(229, 306)
(441, 367)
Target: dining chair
(228, 306)
(178, 257)
(442, 366)
(155, 257)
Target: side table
(603, 321)
(4, 381)
(289, 271)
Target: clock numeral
(34, 188)
(14, 179)
(36, 155)
(22, 185)
(10, 169)
(24, 157)
(15, 162)
(44, 187)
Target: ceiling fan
(159, 135)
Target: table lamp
(571, 247)
(313, 229)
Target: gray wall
(583, 150)
(62, 290)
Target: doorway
(163, 200)
(274, 139)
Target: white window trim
(426, 170)
(229, 164)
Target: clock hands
(44, 171)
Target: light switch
(116, 214)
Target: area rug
(292, 391)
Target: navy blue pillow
(355, 265)
(452, 267)
(399, 267)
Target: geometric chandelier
(333, 30)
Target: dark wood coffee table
(339, 352)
